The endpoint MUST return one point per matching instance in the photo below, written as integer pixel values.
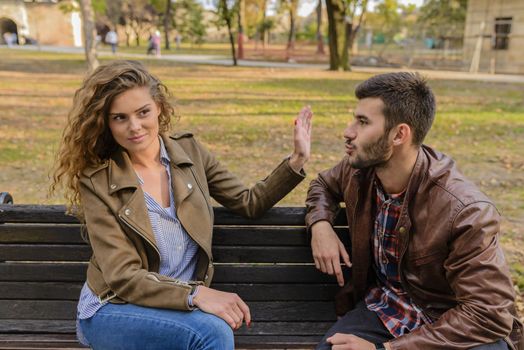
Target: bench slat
(248, 292)
(32, 272)
(222, 254)
(222, 235)
(277, 216)
(257, 328)
(63, 341)
(260, 311)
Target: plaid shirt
(388, 299)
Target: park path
(226, 61)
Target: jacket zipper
(140, 234)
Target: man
(427, 271)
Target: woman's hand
(227, 306)
(301, 139)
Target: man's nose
(349, 132)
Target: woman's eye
(144, 112)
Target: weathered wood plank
(222, 235)
(292, 311)
(40, 290)
(248, 292)
(67, 341)
(277, 216)
(257, 328)
(32, 272)
(244, 254)
(40, 233)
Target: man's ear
(401, 134)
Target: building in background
(40, 21)
(494, 36)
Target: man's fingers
(344, 254)
(338, 273)
(329, 267)
(317, 264)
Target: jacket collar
(121, 172)
(417, 175)
(176, 153)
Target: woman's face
(133, 120)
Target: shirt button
(127, 211)
(402, 229)
(113, 186)
(189, 186)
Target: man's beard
(376, 154)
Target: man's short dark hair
(407, 99)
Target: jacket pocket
(427, 258)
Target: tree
(344, 20)
(226, 11)
(136, 16)
(254, 17)
(88, 28)
(320, 38)
(189, 20)
(291, 6)
(444, 19)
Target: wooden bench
(266, 261)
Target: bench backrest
(266, 261)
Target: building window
(502, 31)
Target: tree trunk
(240, 52)
(332, 35)
(348, 27)
(320, 39)
(88, 27)
(291, 36)
(167, 21)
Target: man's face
(367, 144)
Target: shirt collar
(383, 196)
(164, 157)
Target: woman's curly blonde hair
(86, 140)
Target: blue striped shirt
(178, 251)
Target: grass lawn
(245, 115)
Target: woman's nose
(134, 123)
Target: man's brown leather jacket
(451, 263)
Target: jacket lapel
(123, 179)
(181, 179)
(361, 192)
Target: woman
(145, 199)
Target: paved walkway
(226, 61)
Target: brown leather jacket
(125, 262)
(451, 263)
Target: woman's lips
(136, 138)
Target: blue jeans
(128, 326)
